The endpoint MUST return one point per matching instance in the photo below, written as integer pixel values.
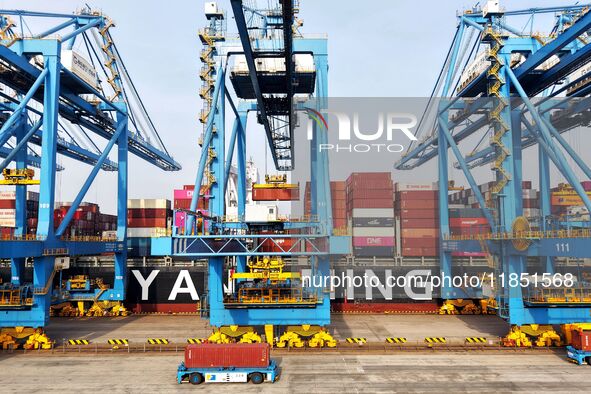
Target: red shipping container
(371, 193)
(275, 194)
(586, 185)
(467, 222)
(526, 184)
(370, 203)
(418, 252)
(416, 204)
(339, 205)
(147, 222)
(186, 204)
(582, 340)
(237, 355)
(419, 242)
(420, 232)
(417, 213)
(339, 222)
(418, 195)
(369, 175)
(419, 223)
(279, 245)
(7, 204)
(151, 213)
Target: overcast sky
(376, 48)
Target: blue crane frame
(59, 100)
(321, 243)
(522, 84)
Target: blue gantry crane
(265, 35)
(514, 88)
(56, 99)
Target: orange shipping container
(275, 194)
(420, 232)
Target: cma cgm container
(225, 363)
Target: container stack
(531, 201)
(87, 220)
(339, 203)
(182, 198)
(8, 212)
(370, 209)
(148, 217)
(468, 222)
(416, 209)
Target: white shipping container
(260, 213)
(148, 203)
(7, 223)
(491, 7)
(146, 232)
(531, 212)
(404, 187)
(79, 66)
(304, 63)
(373, 232)
(529, 194)
(7, 213)
(372, 212)
(11, 195)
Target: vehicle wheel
(589, 360)
(256, 378)
(196, 378)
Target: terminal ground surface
(334, 373)
(376, 328)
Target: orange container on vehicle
(228, 355)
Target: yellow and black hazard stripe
(475, 339)
(357, 340)
(195, 341)
(396, 340)
(158, 341)
(435, 340)
(118, 342)
(78, 341)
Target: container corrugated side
(237, 355)
(373, 231)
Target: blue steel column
(241, 184)
(547, 262)
(217, 205)
(17, 265)
(321, 179)
(122, 186)
(509, 207)
(43, 266)
(445, 258)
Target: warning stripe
(78, 342)
(396, 340)
(357, 340)
(195, 341)
(158, 341)
(475, 339)
(435, 340)
(118, 342)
